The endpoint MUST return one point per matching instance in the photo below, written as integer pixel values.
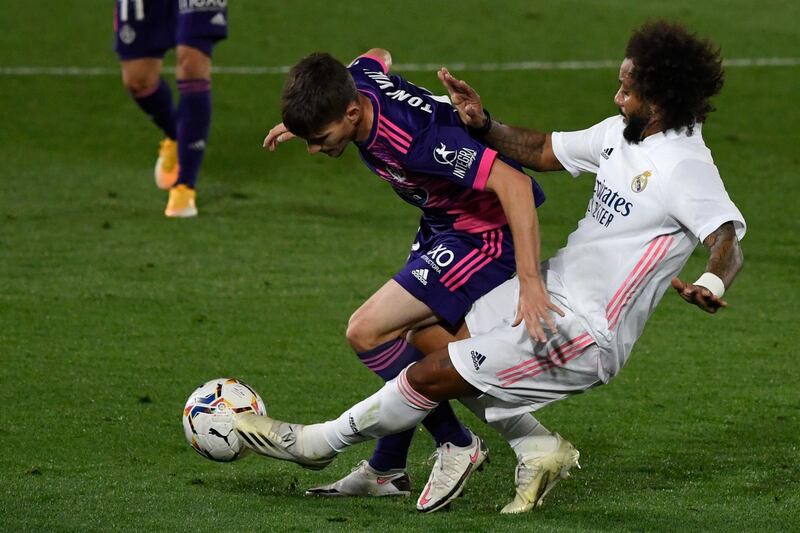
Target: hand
(699, 296)
(465, 98)
(535, 306)
(278, 134)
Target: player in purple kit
(478, 227)
(145, 30)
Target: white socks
(524, 433)
(397, 407)
(392, 409)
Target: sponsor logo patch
(187, 6)
(461, 159)
(443, 156)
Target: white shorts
(504, 362)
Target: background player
(145, 30)
(657, 194)
(474, 207)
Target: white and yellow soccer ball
(208, 417)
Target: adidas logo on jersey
(421, 274)
(606, 153)
(477, 359)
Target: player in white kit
(657, 195)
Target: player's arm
(531, 148)
(278, 134)
(724, 262)
(513, 189)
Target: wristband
(483, 130)
(711, 282)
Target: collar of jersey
(376, 112)
(661, 137)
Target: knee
(192, 64)
(140, 83)
(423, 380)
(360, 333)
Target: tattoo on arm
(521, 144)
(725, 256)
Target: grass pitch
(110, 314)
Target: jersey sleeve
(368, 62)
(696, 197)
(579, 151)
(449, 152)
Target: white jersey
(652, 203)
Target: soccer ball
(208, 417)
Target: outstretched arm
(513, 189)
(724, 262)
(529, 147)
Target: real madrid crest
(640, 182)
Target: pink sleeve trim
(484, 169)
(379, 60)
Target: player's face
(332, 139)
(634, 111)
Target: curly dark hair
(675, 70)
(317, 92)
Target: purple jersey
(420, 146)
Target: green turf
(110, 314)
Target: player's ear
(654, 111)
(353, 113)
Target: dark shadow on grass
(277, 484)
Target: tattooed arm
(725, 260)
(529, 147)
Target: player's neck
(652, 130)
(367, 118)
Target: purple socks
(159, 107)
(387, 361)
(194, 119)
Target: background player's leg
(144, 32)
(142, 78)
(194, 119)
(194, 111)
(376, 332)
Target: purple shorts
(148, 28)
(448, 271)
